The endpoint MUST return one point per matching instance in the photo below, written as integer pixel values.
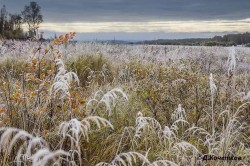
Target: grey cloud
(137, 10)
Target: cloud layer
(138, 10)
(180, 16)
(164, 26)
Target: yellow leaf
(75, 111)
(2, 110)
(17, 83)
(81, 101)
(42, 62)
(34, 60)
(65, 107)
(46, 51)
(32, 94)
(59, 55)
(56, 41)
(42, 76)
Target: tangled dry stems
(167, 109)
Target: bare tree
(3, 19)
(32, 16)
(16, 20)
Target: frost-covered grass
(123, 105)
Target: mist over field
(124, 83)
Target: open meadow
(106, 104)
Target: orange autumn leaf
(34, 60)
(25, 65)
(2, 110)
(76, 111)
(32, 94)
(61, 38)
(42, 62)
(81, 101)
(42, 76)
(56, 41)
(59, 55)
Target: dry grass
(101, 104)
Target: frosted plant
(123, 74)
(60, 88)
(61, 67)
(109, 99)
(75, 129)
(213, 89)
(127, 159)
(178, 82)
(231, 61)
(144, 127)
(7, 140)
(245, 96)
(163, 163)
(124, 53)
(43, 156)
(31, 150)
(175, 127)
(231, 131)
(131, 159)
(179, 114)
(91, 77)
(197, 130)
(104, 72)
(3, 50)
(146, 124)
(68, 77)
(230, 137)
(62, 81)
(168, 135)
(127, 134)
(63, 75)
(185, 152)
(201, 135)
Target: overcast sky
(141, 19)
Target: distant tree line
(237, 39)
(226, 40)
(11, 25)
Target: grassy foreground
(92, 109)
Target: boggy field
(98, 104)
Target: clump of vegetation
(101, 104)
